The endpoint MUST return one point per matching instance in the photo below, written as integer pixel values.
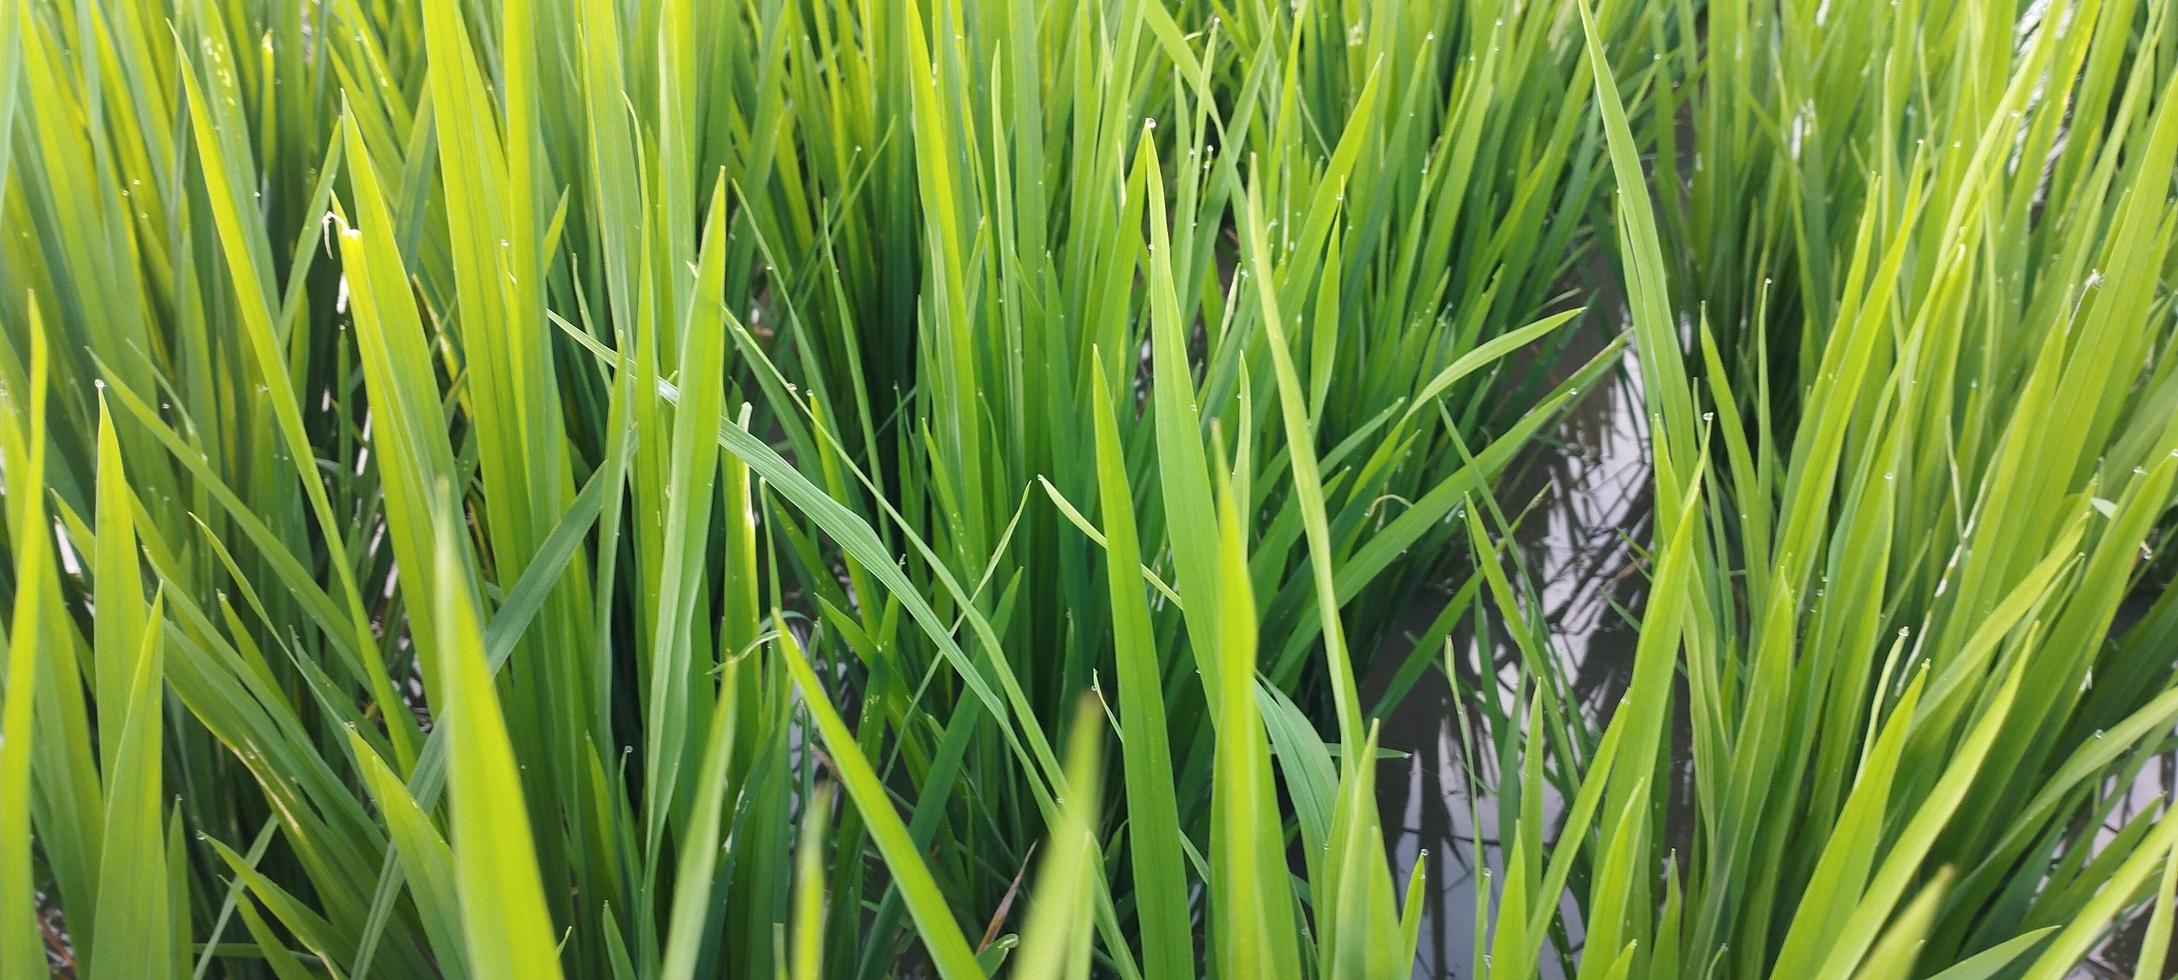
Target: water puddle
(1590, 479)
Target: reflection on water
(1590, 481)
(2117, 954)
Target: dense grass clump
(523, 488)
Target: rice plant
(667, 385)
(1903, 592)
(526, 488)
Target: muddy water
(1590, 481)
